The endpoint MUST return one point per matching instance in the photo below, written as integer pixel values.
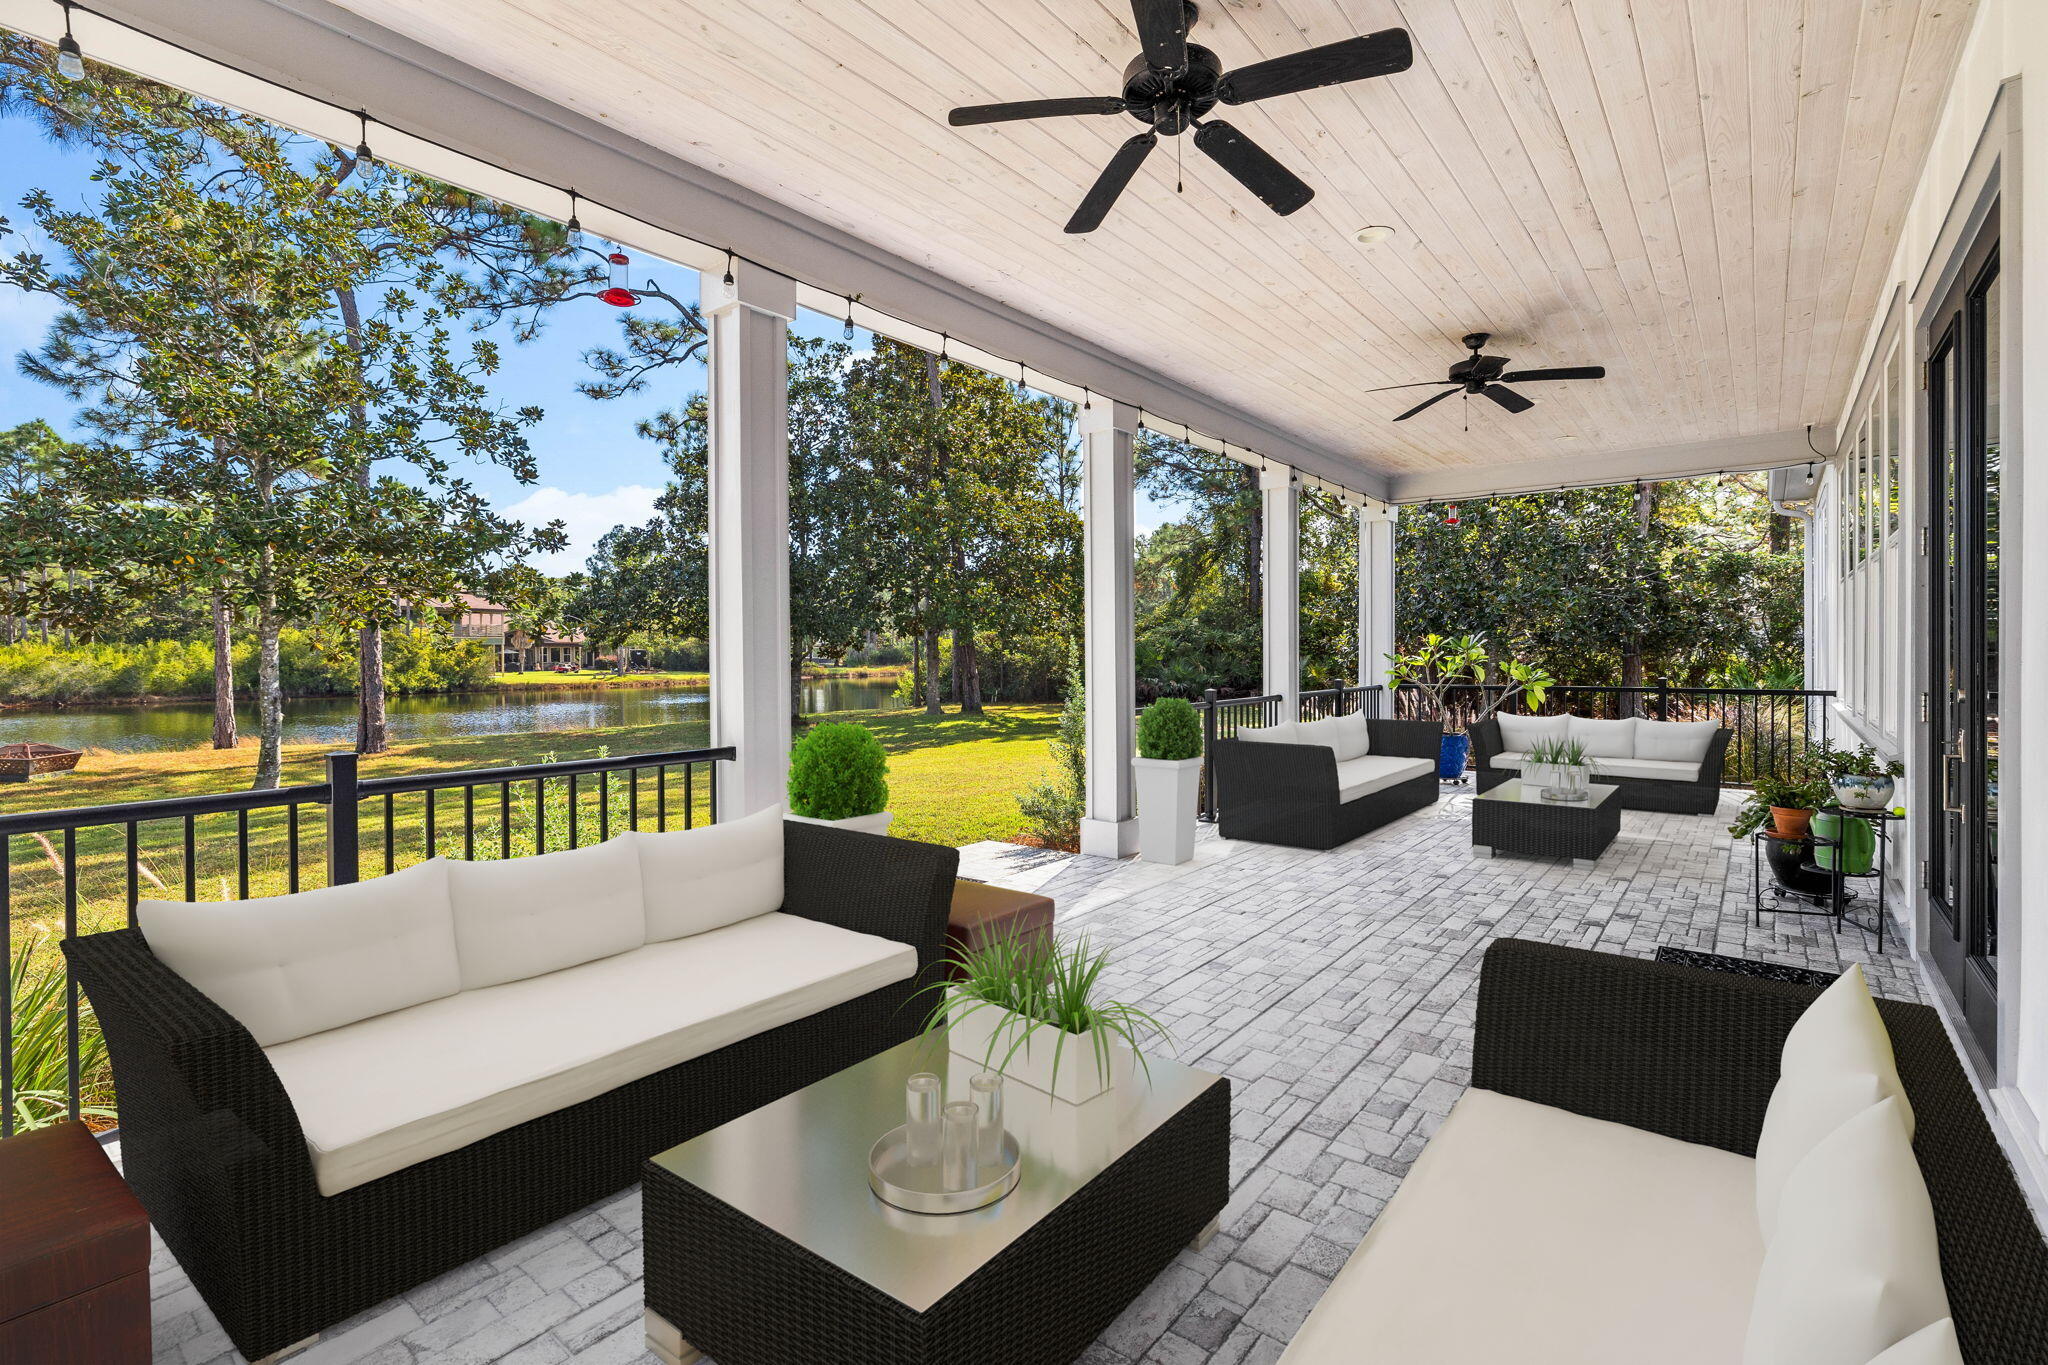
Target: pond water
(332, 720)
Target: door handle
(1949, 758)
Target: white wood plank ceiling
(1701, 196)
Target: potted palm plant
(1169, 780)
(1440, 666)
(838, 775)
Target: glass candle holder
(987, 1089)
(957, 1166)
(922, 1096)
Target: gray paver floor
(1335, 989)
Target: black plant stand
(1833, 903)
(1880, 822)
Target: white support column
(1110, 652)
(1281, 579)
(1376, 522)
(749, 523)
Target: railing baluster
(134, 855)
(690, 797)
(572, 810)
(540, 815)
(390, 836)
(191, 862)
(504, 819)
(661, 796)
(633, 798)
(469, 823)
(71, 1065)
(291, 844)
(433, 841)
(241, 855)
(604, 805)
(6, 987)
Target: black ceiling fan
(1486, 375)
(1173, 82)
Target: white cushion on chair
(1604, 738)
(287, 966)
(1853, 1268)
(1658, 769)
(1346, 736)
(1286, 732)
(1805, 1108)
(1523, 733)
(1679, 741)
(1358, 777)
(1935, 1345)
(698, 879)
(521, 917)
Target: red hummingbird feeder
(1451, 515)
(618, 295)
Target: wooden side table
(983, 913)
(74, 1253)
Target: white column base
(1109, 838)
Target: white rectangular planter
(878, 823)
(1168, 790)
(986, 1034)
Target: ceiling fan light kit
(1488, 376)
(1172, 84)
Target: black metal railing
(84, 869)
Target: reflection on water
(332, 720)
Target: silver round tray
(916, 1188)
(1574, 799)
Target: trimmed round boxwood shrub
(1169, 728)
(837, 771)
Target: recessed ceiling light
(1373, 234)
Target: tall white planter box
(878, 823)
(1168, 790)
(984, 1034)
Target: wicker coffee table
(1505, 821)
(764, 1245)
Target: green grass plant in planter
(1169, 729)
(838, 771)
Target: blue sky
(594, 472)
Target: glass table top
(1513, 790)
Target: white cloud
(585, 517)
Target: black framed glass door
(1964, 392)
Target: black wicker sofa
(1684, 778)
(1658, 1052)
(1290, 790)
(214, 1145)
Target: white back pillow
(1675, 741)
(287, 966)
(694, 880)
(1936, 1345)
(523, 917)
(1347, 741)
(1853, 1268)
(1604, 738)
(1520, 734)
(1805, 1107)
(1286, 732)
(1841, 1033)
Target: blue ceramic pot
(1863, 791)
(1450, 759)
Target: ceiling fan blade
(1163, 32)
(1281, 189)
(1354, 59)
(1568, 372)
(1425, 384)
(1433, 398)
(1507, 398)
(1117, 174)
(1004, 113)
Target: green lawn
(657, 678)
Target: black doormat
(1743, 966)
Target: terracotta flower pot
(1790, 822)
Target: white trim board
(1732, 455)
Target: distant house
(471, 617)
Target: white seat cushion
(1376, 772)
(1657, 769)
(386, 1093)
(524, 917)
(693, 880)
(1523, 733)
(1853, 1267)
(1347, 736)
(1513, 760)
(1604, 738)
(1935, 1345)
(1680, 741)
(287, 966)
(1531, 1235)
(1286, 732)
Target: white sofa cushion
(1358, 777)
(1347, 736)
(287, 966)
(1841, 1033)
(1513, 760)
(1853, 1268)
(1284, 732)
(1523, 733)
(1657, 769)
(521, 917)
(693, 880)
(389, 1092)
(1680, 741)
(1805, 1107)
(1532, 1235)
(1604, 738)
(1935, 1345)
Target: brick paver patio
(1335, 989)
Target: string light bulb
(849, 318)
(363, 152)
(575, 223)
(728, 267)
(70, 60)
